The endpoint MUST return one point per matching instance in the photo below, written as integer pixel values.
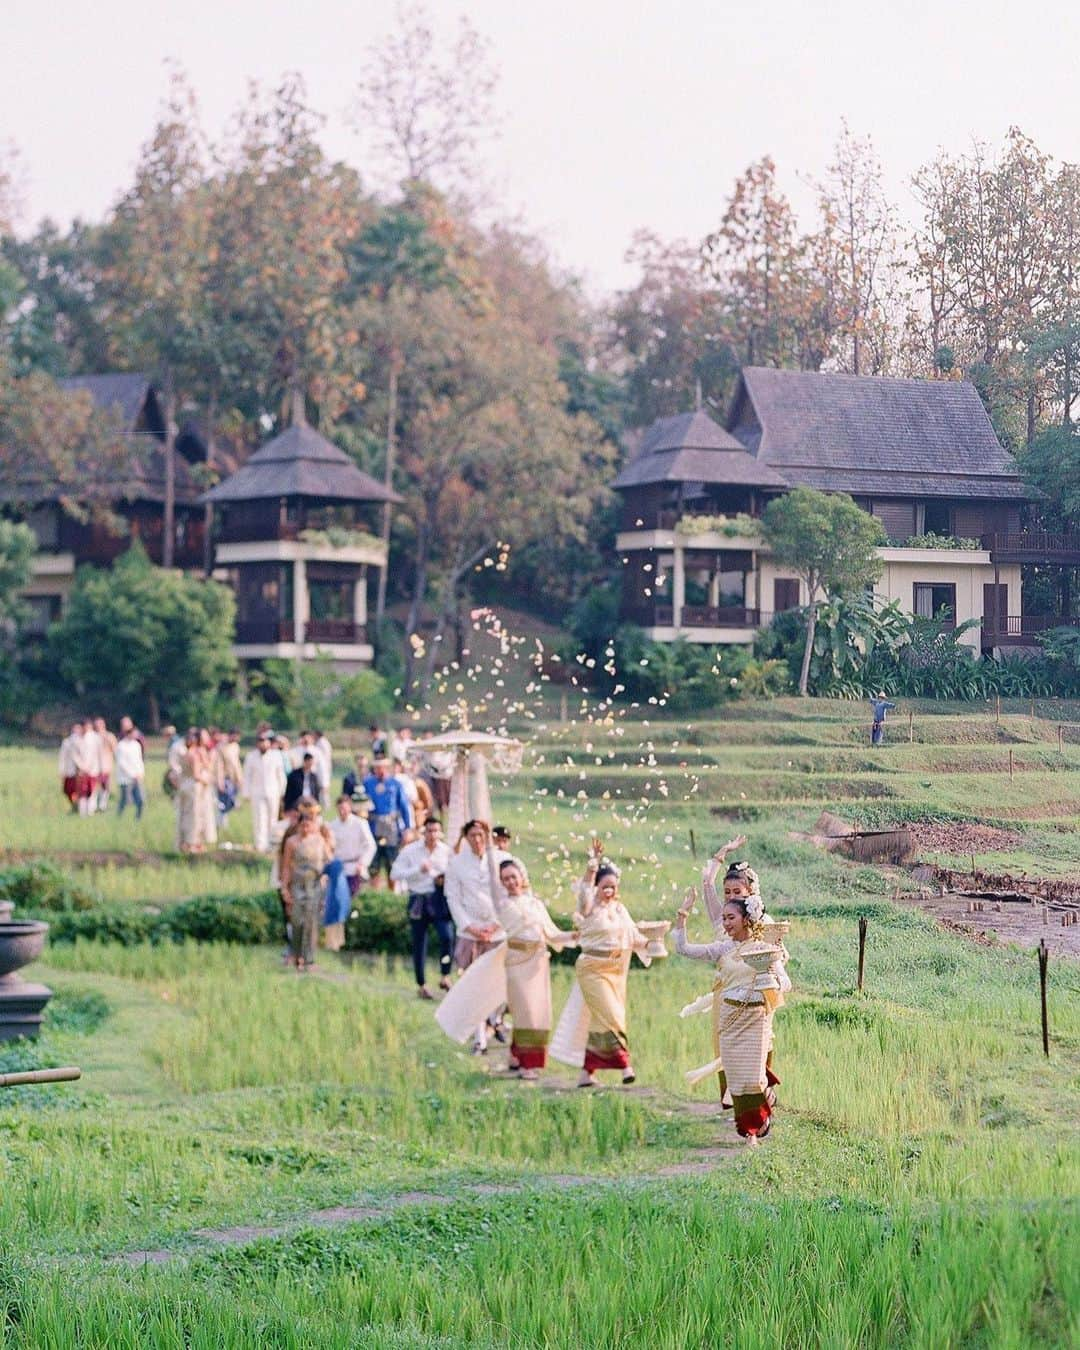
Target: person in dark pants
(391, 816)
(881, 708)
(421, 867)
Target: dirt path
(201, 1240)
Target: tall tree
(178, 634)
(775, 305)
(153, 256)
(424, 113)
(985, 254)
(857, 232)
(285, 217)
(669, 329)
(830, 543)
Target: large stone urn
(21, 1002)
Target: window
(937, 518)
(932, 597)
(41, 612)
(45, 522)
(785, 594)
(331, 599)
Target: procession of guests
(473, 892)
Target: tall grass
(675, 1268)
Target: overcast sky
(615, 115)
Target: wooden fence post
(1010, 762)
(911, 727)
(998, 699)
(862, 951)
(693, 846)
(1044, 955)
(1061, 746)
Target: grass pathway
(200, 1240)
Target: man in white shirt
(264, 787)
(421, 866)
(130, 771)
(354, 844)
(470, 892)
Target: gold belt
(517, 945)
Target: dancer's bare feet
(586, 1079)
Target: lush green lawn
(919, 1188)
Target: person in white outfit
(264, 787)
(69, 765)
(130, 772)
(324, 763)
(92, 760)
(470, 893)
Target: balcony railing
(711, 616)
(1000, 630)
(334, 630)
(1034, 546)
(263, 632)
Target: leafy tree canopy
(155, 636)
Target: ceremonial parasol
(472, 752)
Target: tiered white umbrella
(473, 752)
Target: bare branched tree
(423, 111)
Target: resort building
(293, 537)
(134, 501)
(920, 455)
(293, 530)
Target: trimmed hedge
(41, 885)
(41, 890)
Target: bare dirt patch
(960, 838)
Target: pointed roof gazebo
(691, 447)
(293, 537)
(300, 462)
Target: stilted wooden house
(294, 535)
(920, 455)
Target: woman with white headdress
(592, 1029)
(516, 973)
(750, 984)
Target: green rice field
(255, 1159)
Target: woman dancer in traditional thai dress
(592, 1030)
(749, 987)
(530, 929)
(516, 973)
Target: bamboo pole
(862, 951)
(1044, 956)
(66, 1075)
(693, 846)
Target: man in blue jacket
(881, 706)
(391, 816)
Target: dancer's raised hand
(689, 901)
(724, 849)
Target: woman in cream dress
(592, 1030)
(749, 986)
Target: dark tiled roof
(837, 423)
(139, 478)
(693, 448)
(123, 393)
(300, 463)
(890, 483)
(687, 431)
